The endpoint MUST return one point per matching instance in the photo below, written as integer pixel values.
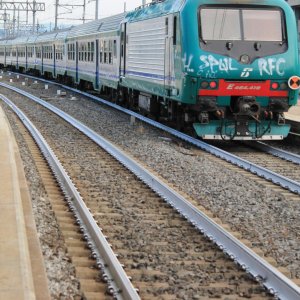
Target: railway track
(248, 165)
(85, 243)
(280, 162)
(176, 260)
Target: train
(223, 70)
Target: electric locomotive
(229, 68)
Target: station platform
(294, 113)
(293, 117)
(22, 271)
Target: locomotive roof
(102, 25)
(154, 9)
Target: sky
(106, 8)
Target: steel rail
(266, 274)
(119, 284)
(278, 152)
(277, 179)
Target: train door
(54, 61)
(42, 56)
(170, 47)
(76, 61)
(17, 57)
(97, 64)
(26, 58)
(123, 50)
(168, 61)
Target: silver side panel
(146, 47)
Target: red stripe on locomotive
(238, 88)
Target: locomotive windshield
(237, 24)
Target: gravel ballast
(266, 218)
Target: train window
(38, 52)
(174, 30)
(220, 24)
(79, 52)
(58, 52)
(22, 52)
(80, 55)
(240, 24)
(92, 50)
(115, 48)
(45, 52)
(71, 51)
(110, 48)
(167, 25)
(268, 22)
(101, 51)
(105, 52)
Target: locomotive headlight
(283, 86)
(245, 59)
(204, 84)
